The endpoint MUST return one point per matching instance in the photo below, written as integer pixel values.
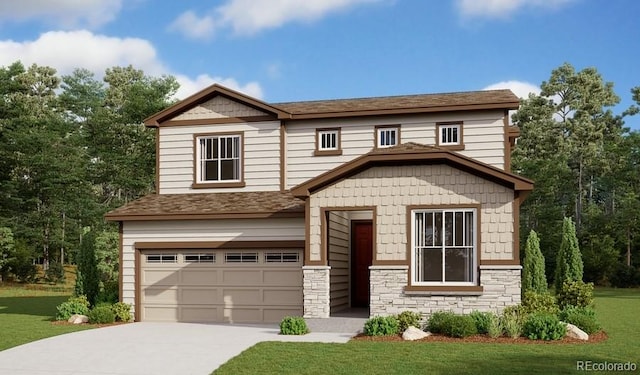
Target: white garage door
(220, 285)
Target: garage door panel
(160, 295)
(275, 315)
(233, 297)
(242, 277)
(199, 296)
(282, 277)
(243, 315)
(282, 297)
(161, 313)
(198, 314)
(167, 276)
(201, 276)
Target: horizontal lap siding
(483, 138)
(261, 156)
(200, 230)
(339, 260)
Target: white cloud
(503, 8)
(248, 17)
(68, 50)
(192, 26)
(520, 88)
(62, 13)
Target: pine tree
(569, 265)
(87, 281)
(533, 275)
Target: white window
(449, 135)
(219, 158)
(328, 140)
(443, 247)
(387, 137)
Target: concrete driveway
(144, 348)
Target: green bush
(122, 311)
(460, 326)
(581, 317)
(569, 266)
(494, 328)
(544, 326)
(575, 293)
(21, 265)
(55, 273)
(74, 305)
(482, 320)
(293, 325)
(539, 302)
(109, 292)
(533, 275)
(381, 326)
(512, 319)
(406, 319)
(625, 276)
(438, 320)
(101, 314)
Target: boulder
(412, 333)
(576, 333)
(78, 319)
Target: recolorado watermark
(606, 366)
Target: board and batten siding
(483, 137)
(261, 156)
(199, 230)
(338, 246)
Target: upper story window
(387, 136)
(218, 160)
(449, 134)
(328, 142)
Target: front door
(361, 256)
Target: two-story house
(310, 208)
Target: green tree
(107, 256)
(7, 251)
(569, 265)
(533, 275)
(88, 279)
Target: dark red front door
(361, 255)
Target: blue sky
(288, 50)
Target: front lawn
(26, 314)
(617, 311)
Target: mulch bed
(593, 339)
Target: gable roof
(264, 204)
(413, 153)
(386, 105)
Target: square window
(387, 136)
(449, 135)
(328, 142)
(218, 158)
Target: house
(310, 208)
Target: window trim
(473, 286)
(379, 128)
(197, 184)
(450, 146)
(329, 152)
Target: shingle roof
(210, 206)
(404, 102)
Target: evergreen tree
(88, 281)
(569, 265)
(533, 276)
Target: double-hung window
(219, 158)
(387, 136)
(443, 246)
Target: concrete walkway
(149, 348)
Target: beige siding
(261, 156)
(483, 139)
(391, 189)
(338, 247)
(201, 230)
(218, 107)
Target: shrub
(460, 326)
(122, 311)
(539, 302)
(544, 326)
(87, 281)
(581, 317)
(21, 265)
(533, 276)
(575, 293)
(293, 325)
(438, 320)
(55, 273)
(494, 328)
(625, 276)
(406, 319)
(381, 326)
(481, 320)
(74, 305)
(109, 292)
(511, 320)
(569, 266)
(101, 314)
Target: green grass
(27, 312)
(617, 311)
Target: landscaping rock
(576, 333)
(78, 319)
(412, 333)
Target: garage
(219, 285)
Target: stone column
(315, 291)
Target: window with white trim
(387, 137)
(199, 258)
(281, 257)
(219, 158)
(162, 258)
(328, 140)
(443, 247)
(449, 135)
(241, 257)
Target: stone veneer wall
(315, 291)
(501, 289)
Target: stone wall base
(315, 291)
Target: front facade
(312, 208)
